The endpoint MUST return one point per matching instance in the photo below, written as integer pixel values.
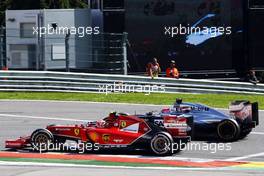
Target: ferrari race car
(117, 131)
(210, 123)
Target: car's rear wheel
(228, 131)
(161, 144)
(41, 140)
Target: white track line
(8, 163)
(84, 102)
(38, 117)
(166, 158)
(92, 102)
(257, 133)
(245, 157)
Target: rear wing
(255, 114)
(245, 111)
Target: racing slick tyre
(161, 144)
(228, 131)
(41, 139)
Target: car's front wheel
(161, 144)
(41, 140)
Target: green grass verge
(82, 162)
(214, 100)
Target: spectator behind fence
(251, 77)
(172, 71)
(153, 68)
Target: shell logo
(106, 138)
(94, 136)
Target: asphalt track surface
(22, 117)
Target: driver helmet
(112, 116)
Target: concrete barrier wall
(105, 83)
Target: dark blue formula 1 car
(210, 123)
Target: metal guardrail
(105, 83)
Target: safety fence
(109, 83)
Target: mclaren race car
(117, 131)
(210, 123)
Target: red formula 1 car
(117, 131)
